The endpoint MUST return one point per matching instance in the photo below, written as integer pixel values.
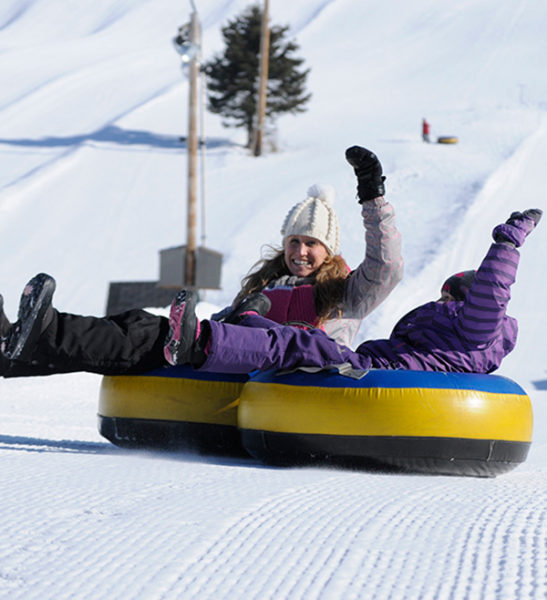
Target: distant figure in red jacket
(425, 130)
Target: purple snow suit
(473, 335)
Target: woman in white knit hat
(307, 281)
(306, 284)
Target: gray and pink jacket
(469, 336)
(366, 287)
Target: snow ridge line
(306, 22)
(42, 170)
(504, 178)
(463, 249)
(17, 14)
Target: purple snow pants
(258, 343)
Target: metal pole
(192, 148)
(202, 144)
(262, 81)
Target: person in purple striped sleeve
(466, 330)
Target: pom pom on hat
(322, 191)
(315, 217)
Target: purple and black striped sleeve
(481, 318)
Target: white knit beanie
(315, 217)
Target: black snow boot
(4, 329)
(35, 314)
(4, 323)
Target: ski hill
(93, 103)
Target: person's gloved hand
(514, 231)
(367, 168)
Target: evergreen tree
(232, 77)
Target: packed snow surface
(93, 184)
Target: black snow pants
(128, 343)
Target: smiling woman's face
(304, 255)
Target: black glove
(367, 168)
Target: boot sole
(177, 350)
(31, 324)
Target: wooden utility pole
(262, 81)
(192, 148)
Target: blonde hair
(328, 281)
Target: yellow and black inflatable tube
(442, 423)
(172, 408)
(447, 139)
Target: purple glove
(517, 227)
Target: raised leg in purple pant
(244, 348)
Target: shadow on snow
(114, 135)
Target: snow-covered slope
(92, 186)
